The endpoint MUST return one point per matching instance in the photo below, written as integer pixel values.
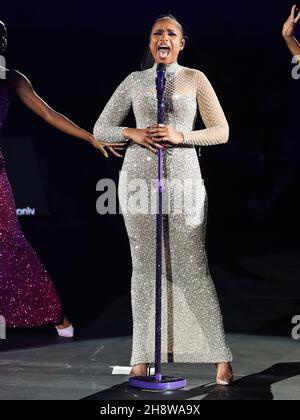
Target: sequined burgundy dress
(27, 295)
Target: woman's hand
(112, 147)
(166, 134)
(141, 137)
(289, 26)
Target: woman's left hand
(165, 134)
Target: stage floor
(46, 368)
(259, 298)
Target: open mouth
(163, 51)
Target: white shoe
(67, 332)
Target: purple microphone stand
(158, 381)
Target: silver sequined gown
(192, 326)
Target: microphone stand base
(150, 382)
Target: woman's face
(3, 38)
(166, 41)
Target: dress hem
(184, 360)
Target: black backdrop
(75, 54)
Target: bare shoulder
(17, 80)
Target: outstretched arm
(288, 31)
(29, 97)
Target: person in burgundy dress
(27, 295)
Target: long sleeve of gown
(108, 126)
(217, 129)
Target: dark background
(24, 175)
(76, 54)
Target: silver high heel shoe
(148, 370)
(226, 380)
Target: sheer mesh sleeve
(108, 126)
(217, 129)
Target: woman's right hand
(141, 137)
(102, 145)
(289, 26)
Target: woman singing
(192, 326)
(27, 296)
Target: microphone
(160, 88)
